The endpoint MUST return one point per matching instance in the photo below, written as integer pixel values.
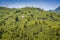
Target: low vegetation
(29, 24)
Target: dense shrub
(36, 24)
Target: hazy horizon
(44, 4)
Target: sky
(44, 4)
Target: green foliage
(29, 24)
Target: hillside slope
(29, 24)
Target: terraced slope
(29, 24)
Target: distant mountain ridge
(57, 9)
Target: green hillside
(29, 24)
